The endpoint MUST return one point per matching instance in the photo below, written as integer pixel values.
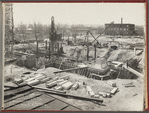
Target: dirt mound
(120, 55)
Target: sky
(79, 13)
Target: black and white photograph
(74, 56)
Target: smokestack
(121, 20)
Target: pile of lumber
(55, 82)
(90, 91)
(62, 83)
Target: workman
(127, 63)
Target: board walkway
(28, 98)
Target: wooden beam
(47, 89)
(133, 71)
(74, 96)
(66, 70)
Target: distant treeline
(140, 30)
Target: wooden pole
(46, 44)
(95, 51)
(58, 49)
(73, 96)
(49, 50)
(87, 53)
(37, 46)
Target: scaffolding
(9, 26)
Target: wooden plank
(19, 101)
(54, 105)
(18, 96)
(66, 70)
(44, 99)
(74, 96)
(12, 92)
(27, 105)
(134, 71)
(71, 108)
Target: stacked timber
(40, 78)
(58, 88)
(111, 83)
(90, 91)
(109, 95)
(33, 82)
(114, 90)
(96, 96)
(75, 86)
(67, 85)
(61, 83)
(103, 94)
(66, 77)
(51, 84)
(30, 79)
(45, 80)
(60, 80)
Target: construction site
(92, 72)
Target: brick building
(120, 29)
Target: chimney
(121, 20)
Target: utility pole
(53, 34)
(49, 51)
(87, 44)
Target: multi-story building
(120, 29)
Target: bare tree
(74, 35)
(100, 29)
(62, 29)
(140, 30)
(22, 29)
(35, 31)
